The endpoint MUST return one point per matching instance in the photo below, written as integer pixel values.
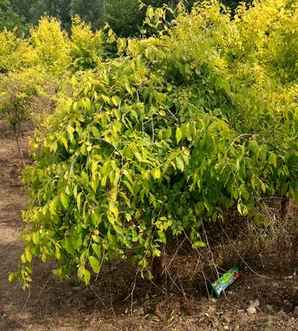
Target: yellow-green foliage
(30, 68)
(282, 45)
(169, 135)
(86, 46)
(15, 53)
(25, 93)
(52, 45)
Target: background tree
(60, 9)
(90, 11)
(124, 16)
(8, 16)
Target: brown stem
(158, 269)
(20, 151)
(284, 208)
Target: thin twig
(241, 257)
(175, 254)
(210, 250)
(19, 148)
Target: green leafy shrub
(15, 53)
(154, 143)
(29, 69)
(19, 93)
(87, 46)
(52, 46)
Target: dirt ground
(120, 300)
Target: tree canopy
(124, 16)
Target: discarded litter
(227, 279)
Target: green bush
(30, 69)
(26, 95)
(51, 45)
(172, 134)
(15, 53)
(86, 46)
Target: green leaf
(28, 254)
(128, 186)
(84, 275)
(178, 135)
(76, 241)
(68, 246)
(79, 200)
(95, 238)
(95, 218)
(114, 210)
(11, 277)
(94, 185)
(156, 174)
(35, 238)
(263, 185)
(162, 237)
(86, 104)
(273, 160)
(95, 132)
(58, 253)
(70, 131)
(180, 163)
(64, 142)
(95, 265)
(23, 258)
(242, 209)
(53, 208)
(139, 157)
(199, 244)
(150, 12)
(64, 200)
(116, 100)
(97, 250)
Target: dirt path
(115, 302)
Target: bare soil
(120, 300)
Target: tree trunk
(284, 207)
(158, 270)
